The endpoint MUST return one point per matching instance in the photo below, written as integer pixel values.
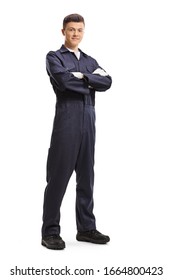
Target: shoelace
(54, 236)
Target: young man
(75, 77)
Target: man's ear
(62, 30)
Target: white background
(133, 41)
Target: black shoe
(93, 236)
(54, 242)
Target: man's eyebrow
(75, 28)
(80, 28)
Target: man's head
(73, 30)
(73, 18)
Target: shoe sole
(53, 247)
(91, 240)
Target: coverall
(73, 137)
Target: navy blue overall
(73, 137)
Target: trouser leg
(56, 186)
(85, 174)
(65, 142)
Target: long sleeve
(98, 82)
(62, 76)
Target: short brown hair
(73, 18)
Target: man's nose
(76, 32)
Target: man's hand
(100, 72)
(78, 75)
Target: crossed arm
(99, 80)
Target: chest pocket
(70, 66)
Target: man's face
(73, 33)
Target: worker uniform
(73, 136)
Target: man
(75, 77)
